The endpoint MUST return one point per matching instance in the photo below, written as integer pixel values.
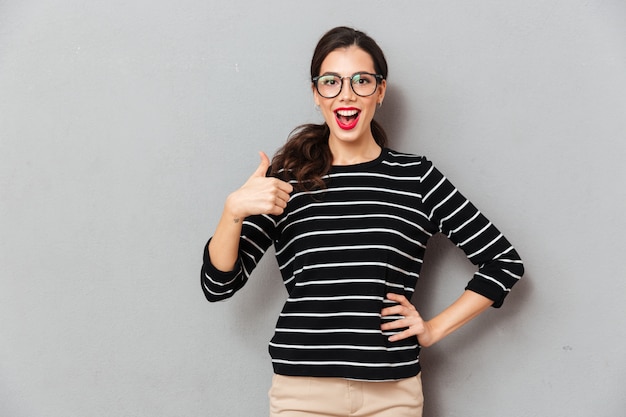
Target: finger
(278, 208)
(263, 166)
(276, 211)
(403, 323)
(394, 310)
(280, 203)
(398, 298)
(401, 336)
(285, 186)
(282, 196)
(403, 303)
(396, 324)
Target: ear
(382, 88)
(316, 97)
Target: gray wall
(124, 125)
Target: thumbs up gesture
(260, 194)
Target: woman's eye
(360, 79)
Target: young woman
(350, 220)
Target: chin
(342, 137)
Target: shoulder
(406, 161)
(402, 157)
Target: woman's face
(349, 115)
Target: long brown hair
(306, 155)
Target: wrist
(232, 211)
(433, 334)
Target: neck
(354, 153)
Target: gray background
(125, 124)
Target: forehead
(347, 61)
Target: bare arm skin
(259, 195)
(463, 310)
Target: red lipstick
(347, 117)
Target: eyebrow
(339, 75)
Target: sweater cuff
(488, 289)
(216, 274)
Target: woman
(350, 219)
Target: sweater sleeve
(499, 265)
(255, 239)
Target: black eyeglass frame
(379, 78)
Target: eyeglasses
(362, 83)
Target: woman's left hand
(412, 321)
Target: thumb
(263, 166)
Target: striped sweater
(341, 249)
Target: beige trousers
(295, 396)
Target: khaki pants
(295, 396)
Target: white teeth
(347, 113)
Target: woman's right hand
(259, 194)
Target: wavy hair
(306, 155)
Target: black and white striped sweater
(341, 249)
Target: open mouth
(347, 118)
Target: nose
(346, 91)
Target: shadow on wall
(392, 116)
(257, 305)
(443, 278)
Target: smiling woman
(350, 134)
(348, 113)
(350, 219)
